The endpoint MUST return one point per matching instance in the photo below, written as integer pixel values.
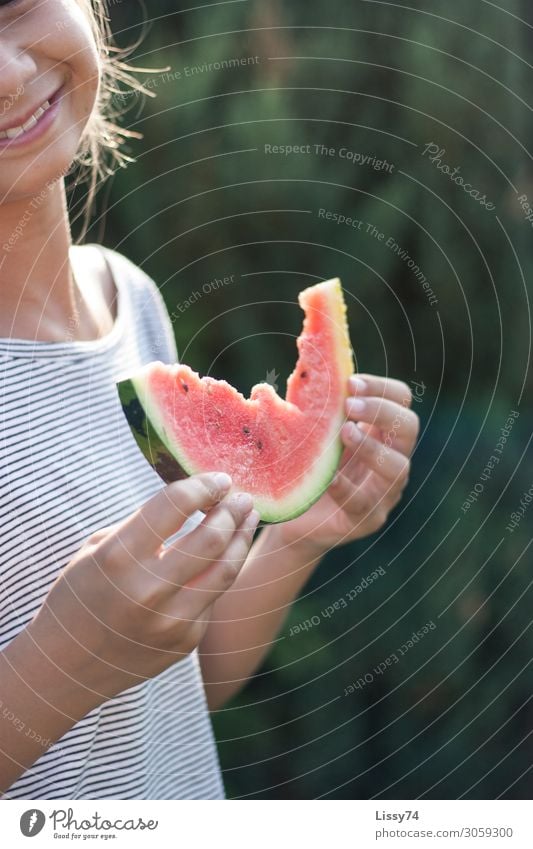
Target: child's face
(47, 53)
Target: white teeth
(30, 123)
(14, 132)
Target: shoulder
(139, 293)
(108, 266)
(114, 271)
(121, 269)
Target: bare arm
(379, 437)
(123, 610)
(38, 705)
(247, 618)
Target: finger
(144, 531)
(188, 557)
(204, 589)
(382, 387)
(391, 465)
(350, 496)
(364, 514)
(397, 423)
(371, 429)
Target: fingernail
(252, 521)
(354, 433)
(222, 480)
(356, 405)
(358, 384)
(244, 501)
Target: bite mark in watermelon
(283, 452)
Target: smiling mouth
(15, 132)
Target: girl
(113, 646)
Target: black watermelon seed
(246, 430)
(185, 387)
(303, 374)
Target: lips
(30, 120)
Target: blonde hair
(101, 145)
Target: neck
(38, 298)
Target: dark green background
(205, 201)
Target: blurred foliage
(205, 200)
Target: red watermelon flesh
(283, 452)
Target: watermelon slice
(283, 452)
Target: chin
(31, 172)
(33, 186)
(32, 178)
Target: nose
(17, 70)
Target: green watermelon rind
(146, 437)
(161, 450)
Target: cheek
(65, 51)
(70, 43)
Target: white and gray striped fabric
(69, 466)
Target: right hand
(126, 608)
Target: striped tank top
(69, 466)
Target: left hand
(379, 438)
